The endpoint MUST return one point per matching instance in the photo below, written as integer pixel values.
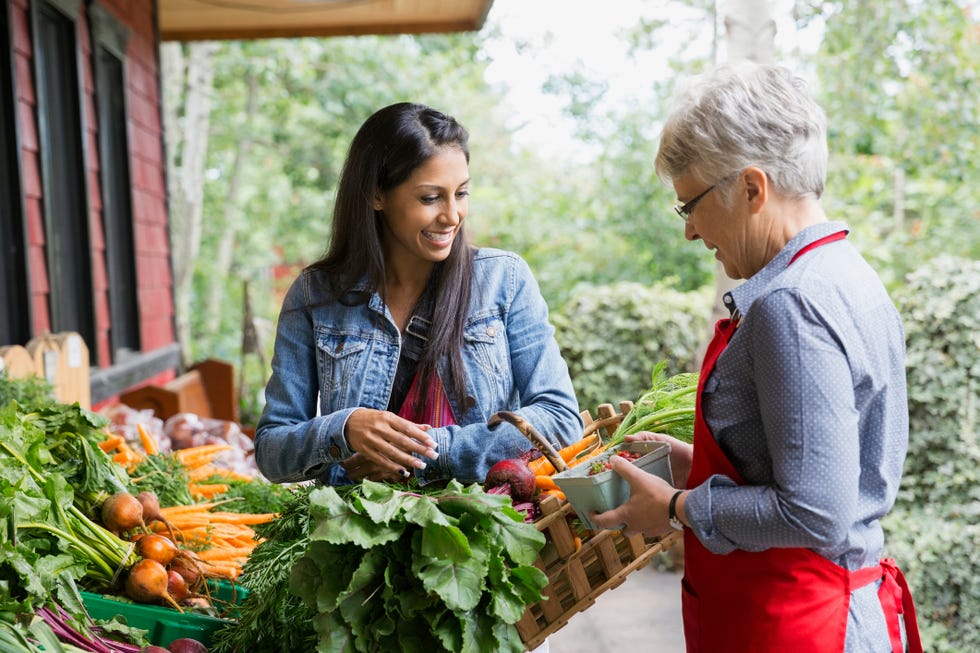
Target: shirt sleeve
(809, 421)
(292, 441)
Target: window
(14, 323)
(109, 64)
(63, 173)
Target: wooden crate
(581, 565)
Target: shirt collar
(741, 298)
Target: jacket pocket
(488, 362)
(338, 356)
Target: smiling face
(423, 214)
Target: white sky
(568, 35)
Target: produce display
(114, 541)
(79, 520)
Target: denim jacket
(350, 355)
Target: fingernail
(434, 444)
(419, 464)
(404, 472)
(433, 455)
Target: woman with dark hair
(394, 350)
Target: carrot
(208, 490)
(544, 482)
(590, 454)
(217, 553)
(246, 518)
(149, 442)
(222, 571)
(571, 451)
(543, 467)
(192, 507)
(126, 456)
(112, 442)
(202, 454)
(556, 493)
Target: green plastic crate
(164, 624)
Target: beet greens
(389, 569)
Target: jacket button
(491, 331)
(469, 402)
(334, 451)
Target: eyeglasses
(685, 210)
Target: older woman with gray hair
(801, 426)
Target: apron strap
(894, 593)
(895, 598)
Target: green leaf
(335, 635)
(458, 583)
(445, 542)
(521, 541)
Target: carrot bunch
(222, 540)
(206, 478)
(120, 450)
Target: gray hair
(746, 115)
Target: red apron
(780, 599)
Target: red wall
(147, 166)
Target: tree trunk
(750, 33)
(188, 80)
(232, 211)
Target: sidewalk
(642, 614)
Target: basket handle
(531, 434)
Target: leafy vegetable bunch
(666, 407)
(51, 471)
(390, 569)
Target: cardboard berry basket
(582, 564)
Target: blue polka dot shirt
(808, 402)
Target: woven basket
(581, 565)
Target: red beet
(153, 649)
(514, 476)
(187, 645)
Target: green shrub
(612, 336)
(933, 531)
(941, 315)
(937, 553)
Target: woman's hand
(681, 454)
(388, 442)
(359, 468)
(646, 509)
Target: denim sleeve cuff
(438, 469)
(331, 435)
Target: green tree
(898, 82)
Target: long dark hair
(386, 150)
